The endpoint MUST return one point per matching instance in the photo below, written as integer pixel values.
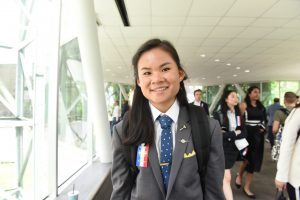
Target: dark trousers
(113, 123)
(292, 192)
(270, 136)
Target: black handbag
(280, 195)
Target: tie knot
(165, 121)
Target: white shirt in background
(116, 113)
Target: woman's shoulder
(296, 112)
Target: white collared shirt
(197, 103)
(232, 120)
(173, 113)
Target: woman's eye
(165, 69)
(146, 73)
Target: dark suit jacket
(184, 182)
(204, 106)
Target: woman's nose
(157, 77)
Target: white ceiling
(262, 36)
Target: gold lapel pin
(183, 141)
(183, 127)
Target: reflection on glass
(270, 90)
(72, 135)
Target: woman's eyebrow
(164, 64)
(150, 68)
(146, 68)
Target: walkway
(263, 182)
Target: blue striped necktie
(166, 148)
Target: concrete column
(85, 19)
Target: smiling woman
(161, 169)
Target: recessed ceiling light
(247, 70)
(203, 78)
(228, 64)
(203, 55)
(119, 67)
(238, 68)
(234, 75)
(217, 60)
(218, 76)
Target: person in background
(255, 117)
(288, 176)
(290, 100)
(125, 108)
(198, 100)
(116, 114)
(158, 129)
(270, 112)
(233, 128)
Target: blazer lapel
(182, 138)
(154, 163)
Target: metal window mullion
(53, 102)
(19, 97)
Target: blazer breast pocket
(189, 155)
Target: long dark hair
(225, 108)
(140, 128)
(248, 101)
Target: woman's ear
(181, 75)
(138, 82)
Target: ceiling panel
(137, 8)
(140, 21)
(170, 8)
(202, 21)
(226, 32)
(168, 21)
(235, 21)
(266, 43)
(215, 42)
(137, 32)
(211, 8)
(283, 34)
(270, 22)
(165, 32)
(293, 24)
(284, 9)
(255, 32)
(182, 41)
(112, 31)
(250, 8)
(240, 42)
(260, 35)
(230, 50)
(196, 31)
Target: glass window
(211, 92)
(270, 90)
(288, 86)
(73, 125)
